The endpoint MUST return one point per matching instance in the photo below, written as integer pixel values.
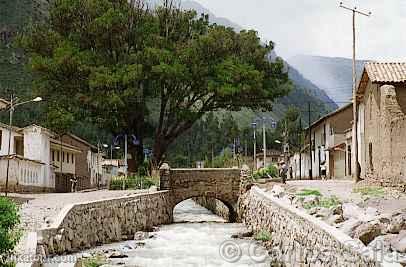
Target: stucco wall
(86, 225)
(299, 239)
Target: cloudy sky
(320, 27)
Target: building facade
(38, 161)
(329, 153)
(382, 123)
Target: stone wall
(299, 239)
(221, 184)
(214, 205)
(85, 225)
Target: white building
(331, 138)
(36, 158)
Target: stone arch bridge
(220, 184)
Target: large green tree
(106, 60)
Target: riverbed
(197, 238)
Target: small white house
(34, 160)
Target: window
(72, 159)
(1, 137)
(67, 157)
(63, 156)
(57, 156)
(53, 155)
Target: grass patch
(95, 261)
(370, 191)
(324, 202)
(263, 235)
(309, 192)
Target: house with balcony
(329, 153)
(39, 161)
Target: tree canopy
(106, 61)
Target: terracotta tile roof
(386, 72)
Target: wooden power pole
(354, 11)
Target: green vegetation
(9, 235)
(370, 191)
(132, 183)
(155, 78)
(95, 261)
(271, 171)
(323, 202)
(309, 192)
(263, 235)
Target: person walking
(283, 171)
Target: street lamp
(278, 142)
(12, 106)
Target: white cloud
(320, 27)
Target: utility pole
(300, 148)
(254, 125)
(126, 154)
(264, 140)
(310, 143)
(354, 88)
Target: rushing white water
(192, 244)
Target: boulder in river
(367, 232)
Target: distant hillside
(15, 15)
(304, 92)
(333, 75)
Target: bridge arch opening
(203, 209)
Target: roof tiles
(386, 72)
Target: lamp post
(13, 105)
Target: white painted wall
(4, 141)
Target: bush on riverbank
(132, 183)
(268, 172)
(9, 235)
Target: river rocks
(349, 226)
(337, 210)
(310, 200)
(397, 223)
(335, 219)
(382, 244)
(323, 213)
(398, 243)
(117, 255)
(368, 232)
(278, 191)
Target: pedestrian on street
(74, 182)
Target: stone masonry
(86, 225)
(220, 184)
(298, 239)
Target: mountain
(332, 74)
(15, 15)
(305, 91)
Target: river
(198, 238)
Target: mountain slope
(333, 75)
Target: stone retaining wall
(299, 239)
(86, 225)
(214, 205)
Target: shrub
(263, 235)
(131, 182)
(271, 171)
(95, 261)
(309, 192)
(9, 235)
